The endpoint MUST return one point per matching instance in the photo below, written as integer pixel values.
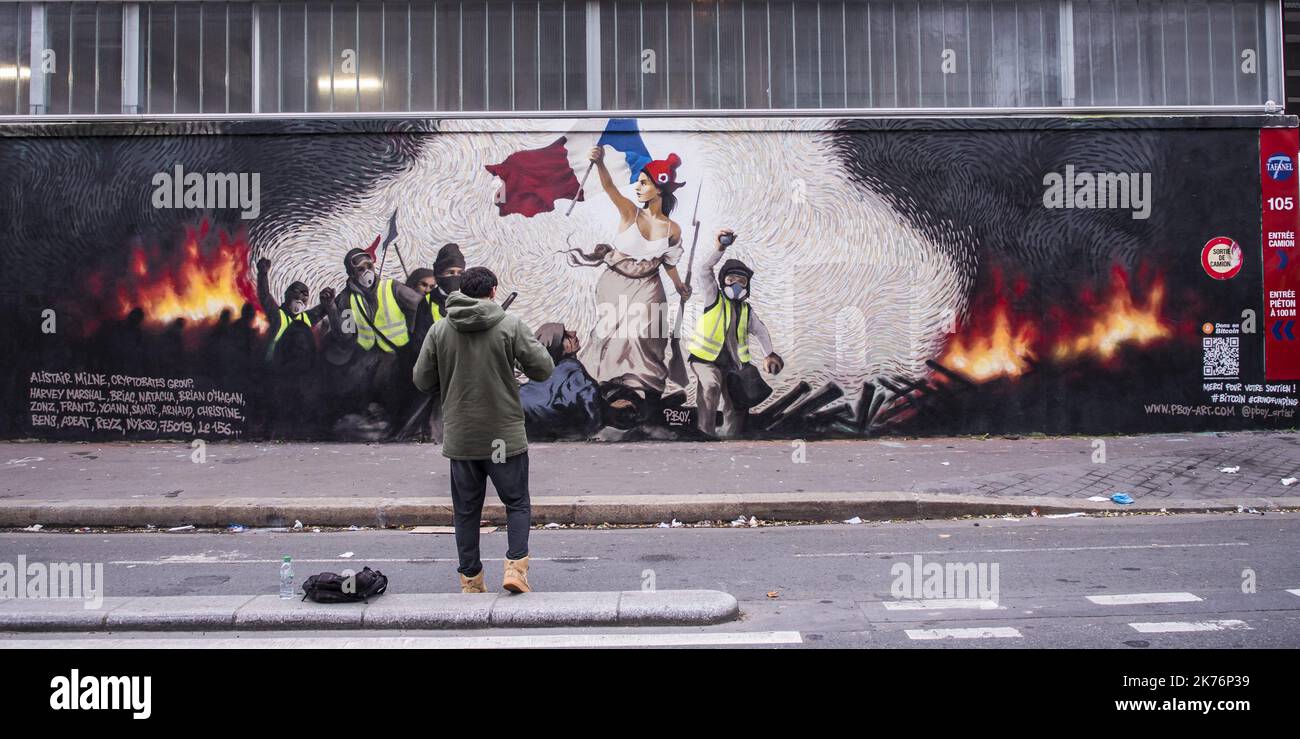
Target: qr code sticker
(1222, 356)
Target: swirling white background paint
(849, 288)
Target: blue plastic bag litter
(1122, 498)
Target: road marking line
(996, 632)
(204, 560)
(1180, 627)
(539, 641)
(1294, 592)
(1013, 551)
(1129, 599)
(932, 604)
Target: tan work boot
(473, 584)
(516, 579)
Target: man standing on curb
(471, 358)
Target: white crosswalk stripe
(1183, 627)
(995, 632)
(1130, 599)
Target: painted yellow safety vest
(285, 318)
(711, 328)
(388, 319)
(433, 308)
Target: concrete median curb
(582, 510)
(390, 611)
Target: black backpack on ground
(328, 587)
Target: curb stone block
(271, 612)
(555, 609)
(186, 612)
(429, 611)
(669, 607)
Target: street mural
(692, 278)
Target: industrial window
(197, 57)
(1170, 53)
(547, 56)
(413, 56)
(854, 54)
(69, 54)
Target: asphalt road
(1060, 583)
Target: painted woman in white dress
(630, 339)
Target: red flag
(534, 179)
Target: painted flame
(1011, 343)
(1005, 350)
(193, 283)
(1120, 321)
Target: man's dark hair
(477, 282)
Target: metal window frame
(844, 45)
(175, 21)
(744, 64)
(593, 56)
(95, 105)
(513, 103)
(783, 113)
(1259, 78)
(1066, 42)
(356, 51)
(433, 55)
(18, 58)
(136, 85)
(1232, 14)
(72, 50)
(331, 55)
(1273, 40)
(487, 58)
(410, 79)
(1140, 75)
(225, 79)
(717, 40)
(130, 72)
(537, 50)
(769, 54)
(1164, 60)
(1187, 50)
(38, 89)
(564, 53)
(893, 40)
(201, 66)
(254, 61)
(460, 55)
(966, 45)
(640, 77)
(668, 58)
(920, 62)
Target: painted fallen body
(568, 404)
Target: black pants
(468, 486)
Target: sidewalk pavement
(388, 611)
(334, 484)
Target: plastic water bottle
(286, 579)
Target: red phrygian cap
(663, 172)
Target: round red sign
(1222, 258)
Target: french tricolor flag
(533, 179)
